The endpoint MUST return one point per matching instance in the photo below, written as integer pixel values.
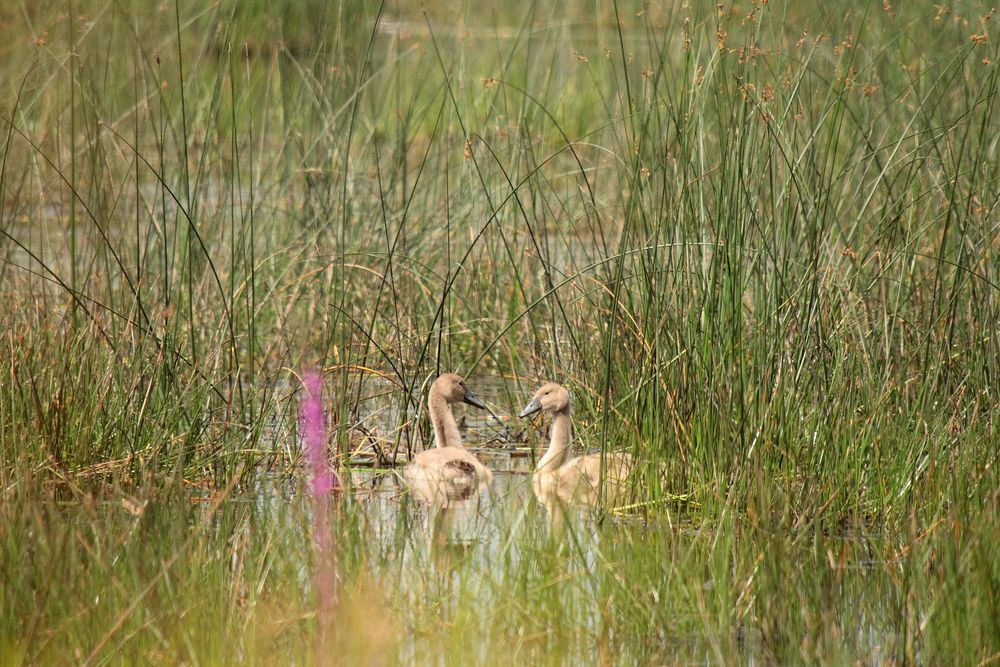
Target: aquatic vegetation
(757, 241)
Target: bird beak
(531, 408)
(471, 398)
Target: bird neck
(560, 432)
(445, 429)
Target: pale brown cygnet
(448, 471)
(578, 479)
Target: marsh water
(470, 563)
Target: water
(505, 545)
(469, 559)
(455, 553)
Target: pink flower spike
(313, 422)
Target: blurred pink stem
(321, 482)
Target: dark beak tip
(472, 399)
(530, 409)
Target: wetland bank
(758, 242)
